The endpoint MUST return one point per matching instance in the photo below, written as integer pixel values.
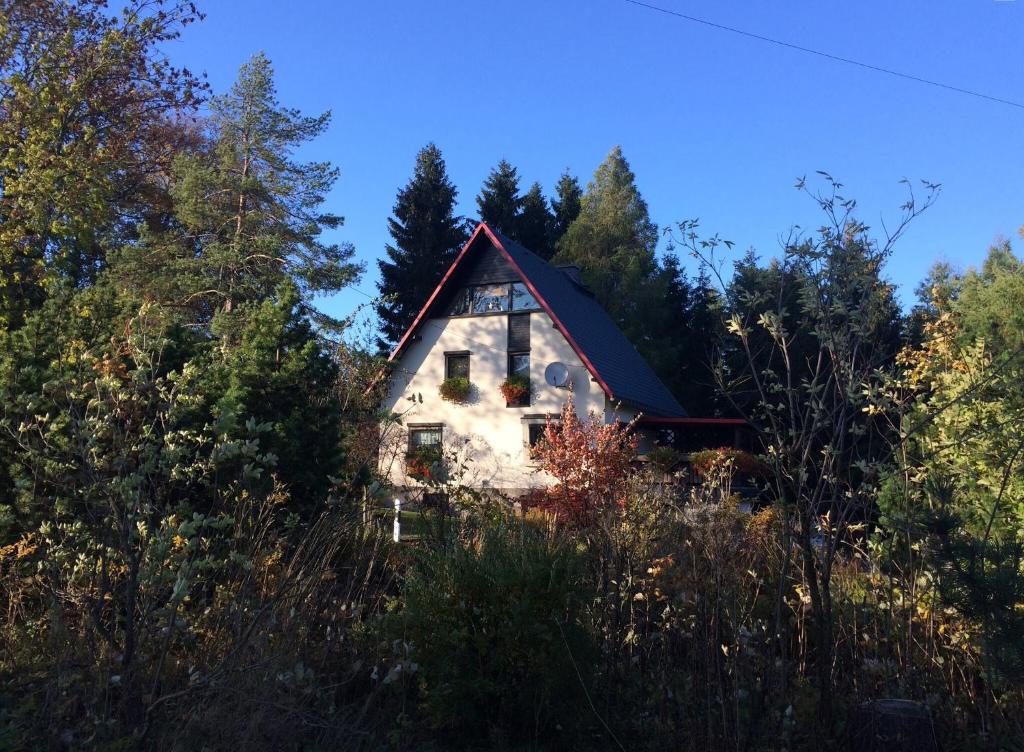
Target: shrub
(744, 464)
(664, 458)
(456, 389)
(590, 460)
(492, 620)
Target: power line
(829, 56)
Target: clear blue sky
(715, 125)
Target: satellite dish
(556, 374)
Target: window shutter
(519, 333)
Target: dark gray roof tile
(624, 371)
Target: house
(501, 315)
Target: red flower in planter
(515, 389)
(421, 463)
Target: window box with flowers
(425, 464)
(516, 391)
(456, 389)
(456, 386)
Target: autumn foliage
(743, 464)
(590, 461)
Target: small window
(519, 332)
(522, 299)
(423, 437)
(490, 299)
(534, 429)
(424, 454)
(456, 365)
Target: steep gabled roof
(602, 347)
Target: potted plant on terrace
(455, 389)
(515, 389)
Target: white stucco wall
(485, 432)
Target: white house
(502, 311)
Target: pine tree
(499, 201)
(566, 205)
(427, 237)
(534, 224)
(256, 211)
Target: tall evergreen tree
(565, 205)
(427, 236)
(613, 241)
(688, 332)
(534, 224)
(255, 212)
(499, 201)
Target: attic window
(490, 299)
(460, 304)
(522, 299)
(498, 298)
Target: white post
(398, 520)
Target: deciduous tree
(92, 116)
(589, 460)
(818, 375)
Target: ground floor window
(424, 460)
(534, 427)
(422, 436)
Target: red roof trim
(482, 227)
(694, 421)
(547, 309)
(437, 291)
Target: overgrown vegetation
(190, 556)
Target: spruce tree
(566, 205)
(427, 237)
(534, 225)
(499, 201)
(280, 376)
